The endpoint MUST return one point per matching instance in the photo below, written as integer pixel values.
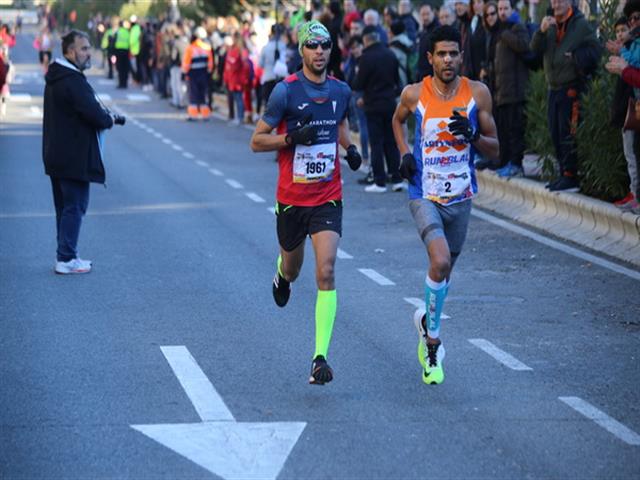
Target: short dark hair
(445, 33)
(621, 21)
(355, 40)
(397, 27)
(70, 38)
(630, 7)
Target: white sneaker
(398, 187)
(76, 265)
(373, 188)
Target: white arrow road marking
(500, 355)
(233, 184)
(344, 255)
(255, 197)
(219, 444)
(375, 276)
(605, 421)
(418, 303)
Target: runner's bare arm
(487, 143)
(408, 102)
(344, 134)
(263, 141)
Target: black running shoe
(321, 372)
(281, 290)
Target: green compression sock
(326, 305)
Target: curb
(586, 221)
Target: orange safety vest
(197, 56)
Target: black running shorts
(295, 223)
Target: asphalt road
(542, 366)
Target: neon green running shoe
(430, 356)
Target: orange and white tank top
(445, 171)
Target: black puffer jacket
(72, 119)
(378, 78)
(510, 71)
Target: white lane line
(344, 255)
(188, 155)
(613, 426)
(557, 245)
(418, 303)
(35, 111)
(166, 140)
(255, 197)
(206, 400)
(216, 172)
(234, 184)
(272, 209)
(20, 97)
(138, 97)
(177, 147)
(375, 276)
(105, 97)
(106, 81)
(500, 355)
(202, 164)
(158, 135)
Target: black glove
(462, 126)
(304, 135)
(119, 119)
(408, 167)
(353, 157)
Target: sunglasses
(490, 14)
(326, 45)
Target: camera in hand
(119, 119)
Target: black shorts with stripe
(295, 223)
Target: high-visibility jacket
(105, 38)
(134, 39)
(198, 56)
(122, 39)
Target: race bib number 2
(313, 163)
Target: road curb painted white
(583, 220)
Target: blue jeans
(237, 97)
(364, 131)
(71, 199)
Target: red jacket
(631, 76)
(236, 73)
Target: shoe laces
(432, 354)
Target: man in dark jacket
(377, 77)
(511, 75)
(73, 120)
(429, 24)
(570, 51)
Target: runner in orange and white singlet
(453, 123)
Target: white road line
(166, 140)
(614, 427)
(272, 209)
(158, 135)
(35, 111)
(177, 147)
(20, 97)
(557, 245)
(418, 303)
(187, 155)
(255, 197)
(375, 276)
(105, 97)
(200, 163)
(344, 255)
(216, 172)
(206, 400)
(138, 97)
(233, 183)
(500, 355)
(106, 81)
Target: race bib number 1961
(313, 163)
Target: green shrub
(537, 136)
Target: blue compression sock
(435, 293)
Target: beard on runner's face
(316, 62)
